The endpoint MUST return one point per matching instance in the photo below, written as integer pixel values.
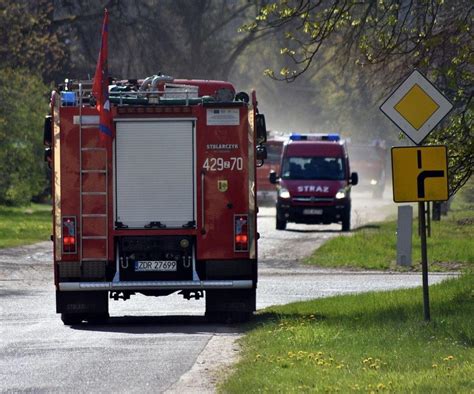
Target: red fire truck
(266, 191)
(314, 182)
(167, 204)
(370, 162)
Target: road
(158, 344)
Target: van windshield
(313, 168)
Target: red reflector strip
(69, 235)
(241, 233)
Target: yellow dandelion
(434, 366)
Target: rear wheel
(76, 306)
(228, 317)
(230, 306)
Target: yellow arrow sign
(420, 173)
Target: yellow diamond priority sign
(416, 107)
(420, 173)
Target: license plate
(312, 211)
(156, 265)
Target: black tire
(280, 223)
(240, 317)
(72, 319)
(97, 318)
(346, 220)
(230, 306)
(228, 317)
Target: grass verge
(374, 246)
(371, 342)
(25, 225)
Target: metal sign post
(419, 173)
(424, 261)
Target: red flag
(100, 88)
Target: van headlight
(340, 194)
(283, 193)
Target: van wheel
(346, 220)
(280, 224)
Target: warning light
(315, 137)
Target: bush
(24, 104)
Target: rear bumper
(156, 285)
(296, 213)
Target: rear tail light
(241, 238)
(69, 234)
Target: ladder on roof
(93, 188)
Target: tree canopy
(342, 57)
(28, 38)
(387, 39)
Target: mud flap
(90, 302)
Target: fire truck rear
(266, 191)
(167, 204)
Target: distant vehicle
(369, 160)
(314, 182)
(266, 191)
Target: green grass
(450, 247)
(25, 225)
(371, 342)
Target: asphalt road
(158, 344)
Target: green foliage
(26, 225)
(372, 342)
(450, 246)
(458, 136)
(22, 112)
(387, 39)
(28, 39)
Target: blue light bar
(333, 137)
(314, 137)
(296, 137)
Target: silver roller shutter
(154, 172)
